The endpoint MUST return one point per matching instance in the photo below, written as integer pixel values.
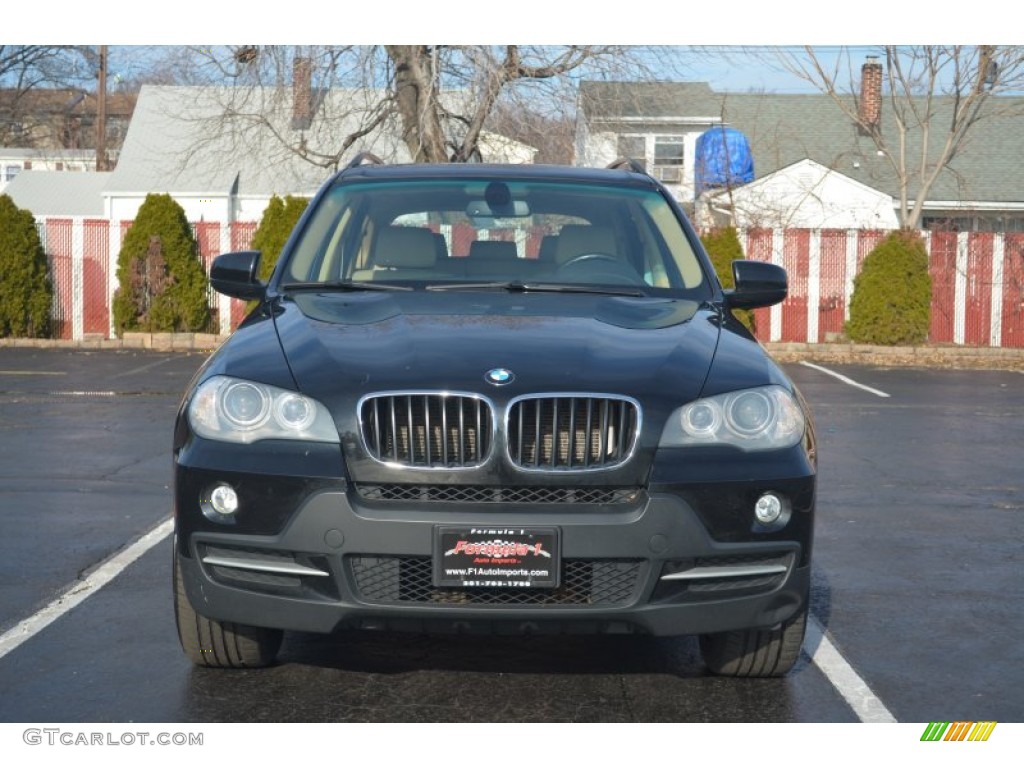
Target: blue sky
(726, 68)
(725, 27)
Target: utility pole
(101, 112)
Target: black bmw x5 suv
(497, 399)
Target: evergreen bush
(162, 283)
(892, 295)
(275, 227)
(26, 294)
(723, 246)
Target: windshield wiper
(515, 286)
(342, 285)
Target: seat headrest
(405, 248)
(548, 248)
(441, 245)
(492, 250)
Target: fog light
(768, 509)
(224, 500)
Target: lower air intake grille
(410, 580)
(486, 494)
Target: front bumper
(343, 561)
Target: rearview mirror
(513, 209)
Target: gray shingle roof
(786, 128)
(175, 145)
(59, 193)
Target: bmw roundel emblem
(499, 376)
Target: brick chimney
(302, 94)
(871, 92)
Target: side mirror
(235, 275)
(758, 284)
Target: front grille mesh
(410, 580)
(427, 430)
(486, 494)
(571, 433)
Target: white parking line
(81, 393)
(84, 588)
(846, 379)
(33, 373)
(142, 368)
(868, 707)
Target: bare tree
(550, 128)
(24, 69)
(936, 97)
(435, 132)
(51, 94)
(440, 100)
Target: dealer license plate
(496, 557)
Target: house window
(668, 158)
(668, 150)
(11, 171)
(633, 148)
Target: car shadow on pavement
(821, 609)
(394, 677)
(381, 652)
(400, 652)
(377, 676)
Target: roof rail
(363, 158)
(627, 164)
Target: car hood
(346, 345)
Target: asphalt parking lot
(916, 598)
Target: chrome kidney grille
(431, 430)
(543, 433)
(568, 433)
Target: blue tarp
(723, 160)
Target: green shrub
(276, 225)
(26, 294)
(162, 283)
(723, 246)
(892, 295)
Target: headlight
(239, 411)
(761, 419)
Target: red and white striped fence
(82, 254)
(977, 284)
(977, 278)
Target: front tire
(756, 652)
(210, 643)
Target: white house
(648, 122)
(180, 143)
(803, 195)
(658, 123)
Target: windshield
(441, 234)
